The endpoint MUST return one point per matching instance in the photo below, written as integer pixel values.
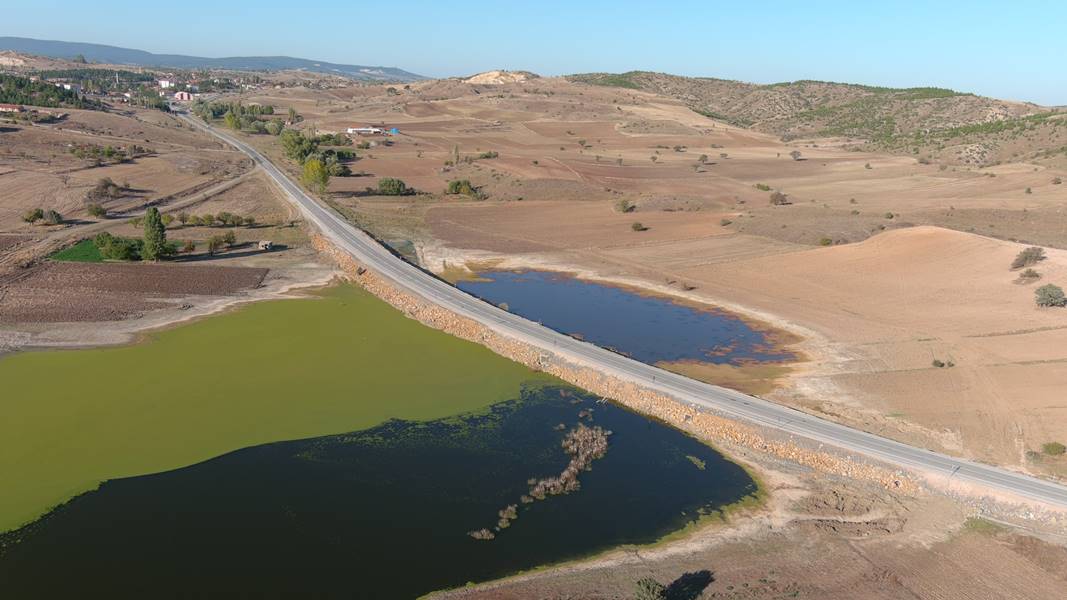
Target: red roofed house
(11, 108)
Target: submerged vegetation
(268, 509)
(584, 445)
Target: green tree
(275, 126)
(155, 236)
(389, 186)
(32, 216)
(316, 176)
(232, 120)
(97, 210)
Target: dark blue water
(380, 513)
(650, 329)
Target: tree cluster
(20, 90)
(48, 217)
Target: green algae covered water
(270, 371)
(326, 448)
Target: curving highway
(720, 400)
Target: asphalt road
(727, 402)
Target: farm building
(11, 108)
(366, 131)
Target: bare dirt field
(65, 292)
(916, 267)
(174, 167)
(830, 545)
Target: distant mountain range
(128, 56)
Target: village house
(11, 108)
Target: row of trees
(249, 118)
(222, 219)
(108, 154)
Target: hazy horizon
(905, 45)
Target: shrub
(889, 215)
(230, 238)
(1056, 181)
(389, 186)
(1050, 295)
(32, 216)
(52, 217)
(637, 226)
(763, 187)
(1029, 274)
(494, 154)
(105, 188)
(1029, 191)
(867, 166)
(189, 246)
(937, 363)
(1027, 257)
(1053, 448)
(779, 199)
(650, 589)
(725, 222)
(461, 186)
(795, 154)
(625, 206)
(825, 241)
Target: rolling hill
(126, 56)
(936, 123)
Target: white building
(366, 130)
(165, 84)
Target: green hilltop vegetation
(931, 122)
(20, 90)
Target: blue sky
(1011, 50)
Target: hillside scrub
(1028, 257)
(1050, 295)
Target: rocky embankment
(724, 433)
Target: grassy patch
(755, 379)
(622, 80)
(271, 371)
(982, 526)
(83, 251)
